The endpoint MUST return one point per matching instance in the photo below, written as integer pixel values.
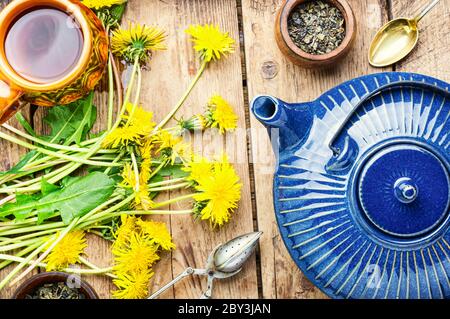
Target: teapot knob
(406, 190)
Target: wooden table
(257, 67)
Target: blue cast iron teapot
(362, 188)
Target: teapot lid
(403, 190)
(362, 202)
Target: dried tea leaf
(316, 27)
(57, 290)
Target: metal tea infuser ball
(224, 261)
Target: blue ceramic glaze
(362, 187)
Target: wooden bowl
(33, 283)
(300, 57)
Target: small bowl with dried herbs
(55, 285)
(315, 34)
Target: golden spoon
(396, 39)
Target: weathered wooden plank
(170, 74)
(9, 156)
(431, 55)
(268, 72)
(163, 269)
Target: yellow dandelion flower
(146, 164)
(221, 115)
(122, 136)
(157, 233)
(137, 42)
(165, 140)
(141, 120)
(219, 193)
(123, 234)
(210, 41)
(67, 251)
(128, 176)
(140, 125)
(181, 150)
(138, 255)
(146, 149)
(98, 4)
(172, 147)
(132, 285)
(142, 199)
(199, 168)
(145, 171)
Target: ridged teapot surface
(362, 188)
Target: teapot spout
(287, 124)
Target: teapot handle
(368, 96)
(9, 98)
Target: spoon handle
(425, 10)
(187, 272)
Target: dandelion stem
(136, 98)
(47, 252)
(118, 83)
(105, 271)
(160, 166)
(22, 264)
(19, 245)
(23, 230)
(118, 158)
(37, 168)
(183, 98)
(23, 121)
(110, 93)
(173, 200)
(75, 159)
(42, 142)
(17, 223)
(88, 263)
(7, 199)
(34, 184)
(71, 167)
(171, 187)
(28, 236)
(128, 92)
(74, 165)
(42, 163)
(21, 253)
(92, 271)
(99, 271)
(136, 171)
(169, 181)
(156, 212)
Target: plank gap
(390, 15)
(249, 154)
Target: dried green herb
(57, 290)
(316, 27)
